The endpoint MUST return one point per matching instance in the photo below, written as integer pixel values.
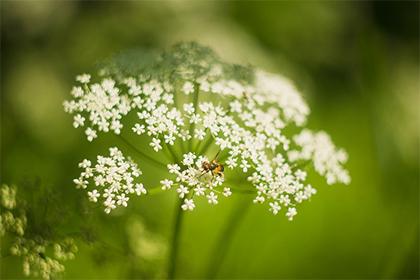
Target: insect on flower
(213, 166)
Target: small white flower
(143, 115)
(227, 192)
(77, 92)
(284, 199)
(235, 106)
(116, 126)
(274, 207)
(189, 108)
(166, 184)
(139, 189)
(84, 78)
(80, 183)
(189, 159)
(245, 165)
(259, 199)
(108, 85)
(231, 163)
(108, 193)
(139, 129)
(109, 205)
(212, 198)
(291, 212)
(199, 191)
(299, 197)
(174, 168)
(309, 191)
(78, 121)
(200, 134)
(182, 191)
(155, 144)
(93, 195)
(168, 98)
(85, 163)
(188, 88)
(301, 175)
(122, 200)
(169, 139)
(188, 205)
(91, 134)
(195, 118)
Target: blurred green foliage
(357, 64)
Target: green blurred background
(357, 63)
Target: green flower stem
(158, 189)
(301, 165)
(197, 146)
(155, 190)
(206, 146)
(173, 253)
(168, 154)
(192, 125)
(224, 241)
(243, 191)
(173, 154)
(143, 155)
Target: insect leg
(217, 155)
(204, 172)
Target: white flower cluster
(11, 219)
(281, 186)
(8, 196)
(327, 159)
(101, 103)
(31, 249)
(36, 263)
(209, 105)
(65, 250)
(113, 177)
(193, 181)
(279, 90)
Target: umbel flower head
(192, 106)
(35, 251)
(114, 176)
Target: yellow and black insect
(213, 166)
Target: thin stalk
(173, 253)
(149, 158)
(172, 152)
(192, 125)
(206, 146)
(155, 190)
(197, 146)
(168, 155)
(158, 189)
(176, 99)
(243, 191)
(224, 241)
(301, 165)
